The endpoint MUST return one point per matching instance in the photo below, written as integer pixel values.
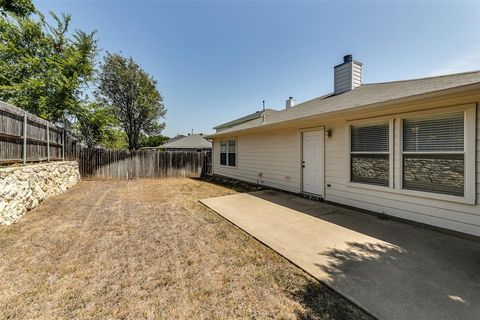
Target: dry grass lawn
(146, 249)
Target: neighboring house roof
(192, 141)
(364, 95)
(178, 136)
(251, 116)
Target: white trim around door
(313, 162)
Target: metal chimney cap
(347, 58)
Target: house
(408, 149)
(247, 118)
(178, 136)
(188, 143)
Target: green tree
(133, 95)
(21, 8)
(116, 139)
(94, 124)
(152, 141)
(44, 68)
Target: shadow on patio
(393, 270)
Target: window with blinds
(369, 154)
(228, 155)
(433, 154)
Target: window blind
(373, 138)
(433, 154)
(369, 158)
(439, 133)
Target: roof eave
(427, 95)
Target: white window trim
(469, 151)
(371, 121)
(220, 152)
(396, 146)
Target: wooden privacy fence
(28, 138)
(121, 164)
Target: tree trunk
(131, 144)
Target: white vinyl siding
(276, 156)
(270, 159)
(453, 215)
(477, 148)
(356, 74)
(347, 76)
(343, 78)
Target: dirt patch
(148, 249)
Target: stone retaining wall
(23, 188)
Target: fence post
(63, 144)
(48, 142)
(25, 123)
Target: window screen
(369, 154)
(433, 154)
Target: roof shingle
(364, 95)
(192, 141)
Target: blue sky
(215, 61)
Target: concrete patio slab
(391, 269)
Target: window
(223, 153)
(433, 154)
(370, 153)
(228, 153)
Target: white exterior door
(312, 162)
